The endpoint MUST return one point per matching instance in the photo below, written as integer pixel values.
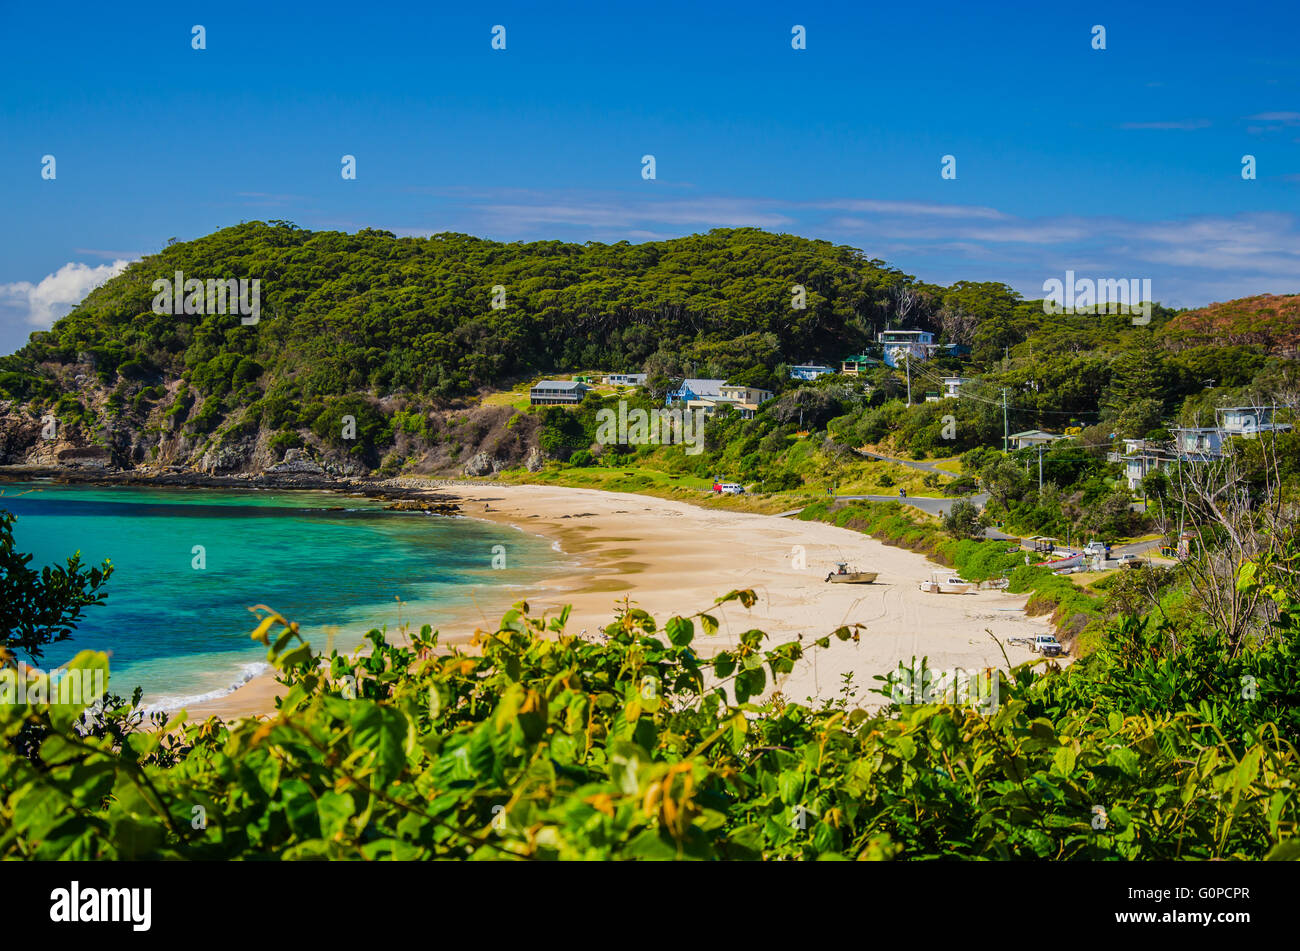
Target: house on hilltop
(912, 344)
(626, 379)
(708, 395)
(952, 386)
(809, 371)
(1033, 437)
(557, 393)
(1200, 443)
(859, 364)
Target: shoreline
(396, 491)
(671, 557)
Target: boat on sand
(844, 576)
(945, 582)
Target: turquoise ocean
(339, 565)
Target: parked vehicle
(731, 488)
(1046, 644)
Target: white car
(731, 488)
(1046, 644)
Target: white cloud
(1182, 124)
(917, 208)
(56, 294)
(626, 214)
(1290, 118)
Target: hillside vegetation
(1272, 320)
(378, 354)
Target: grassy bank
(678, 487)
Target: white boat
(1070, 561)
(844, 576)
(944, 582)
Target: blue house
(695, 389)
(809, 371)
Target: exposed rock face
(231, 457)
(90, 456)
(295, 463)
(480, 465)
(142, 430)
(347, 466)
(18, 436)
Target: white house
(557, 392)
(1247, 421)
(952, 386)
(1197, 443)
(1033, 437)
(626, 379)
(1139, 464)
(708, 395)
(914, 344)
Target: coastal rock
(18, 436)
(480, 465)
(295, 463)
(87, 456)
(535, 460)
(346, 466)
(433, 506)
(226, 458)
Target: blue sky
(1118, 163)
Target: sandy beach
(675, 558)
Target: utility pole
(907, 362)
(1040, 468)
(1004, 419)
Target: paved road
(910, 463)
(1137, 548)
(927, 504)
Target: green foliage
(352, 423)
(39, 608)
(285, 440)
(536, 744)
(369, 312)
(962, 520)
(548, 746)
(561, 432)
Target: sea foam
(171, 704)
